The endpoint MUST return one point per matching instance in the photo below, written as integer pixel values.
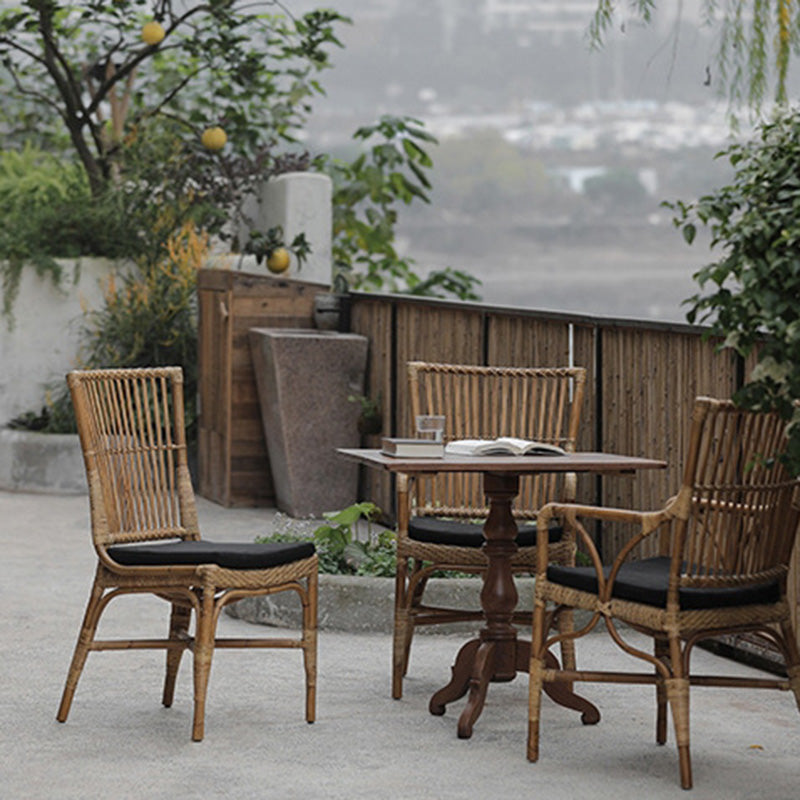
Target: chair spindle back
(541, 404)
(738, 505)
(132, 433)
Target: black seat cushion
(244, 555)
(646, 582)
(456, 533)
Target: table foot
(482, 673)
(459, 681)
(564, 696)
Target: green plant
(48, 212)
(150, 319)
(129, 116)
(751, 293)
(366, 195)
(340, 553)
(370, 420)
(56, 415)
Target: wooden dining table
(497, 655)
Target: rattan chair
(145, 532)
(440, 518)
(724, 545)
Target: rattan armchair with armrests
(724, 546)
(147, 540)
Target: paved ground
(120, 743)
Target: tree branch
(137, 57)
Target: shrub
(751, 294)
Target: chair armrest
(648, 522)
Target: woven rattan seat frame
(733, 524)
(543, 404)
(131, 427)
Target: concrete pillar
(300, 202)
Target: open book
(503, 446)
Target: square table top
(571, 462)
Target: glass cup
(430, 426)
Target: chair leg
(91, 618)
(678, 698)
(661, 650)
(178, 627)
(535, 673)
(413, 602)
(403, 623)
(310, 647)
(792, 656)
(566, 625)
(203, 652)
(399, 632)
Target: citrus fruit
(152, 33)
(278, 260)
(214, 138)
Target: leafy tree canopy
(100, 70)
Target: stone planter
(366, 605)
(304, 378)
(41, 462)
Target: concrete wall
(42, 345)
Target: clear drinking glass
(430, 426)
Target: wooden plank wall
(648, 381)
(641, 380)
(233, 460)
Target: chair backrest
(131, 428)
(543, 404)
(737, 508)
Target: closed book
(412, 448)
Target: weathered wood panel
(516, 341)
(647, 383)
(425, 333)
(373, 318)
(233, 458)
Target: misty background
(553, 158)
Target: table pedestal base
(476, 666)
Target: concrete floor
(119, 742)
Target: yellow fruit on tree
(214, 138)
(278, 260)
(152, 33)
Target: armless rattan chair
(145, 531)
(724, 545)
(440, 518)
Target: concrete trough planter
(361, 604)
(41, 462)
